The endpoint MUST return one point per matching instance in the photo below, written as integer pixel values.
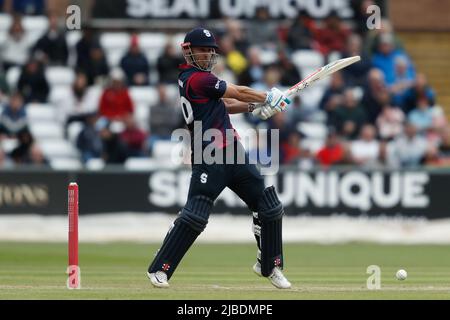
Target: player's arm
(235, 106)
(244, 94)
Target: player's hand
(277, 100)
(256, 110)
(264, 111)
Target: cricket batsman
(208, 100)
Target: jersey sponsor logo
(203, 178)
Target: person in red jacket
(115, 103)
(333, 153)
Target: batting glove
(277, 100)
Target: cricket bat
(317, 75)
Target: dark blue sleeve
(207, 85)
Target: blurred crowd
(378, 112)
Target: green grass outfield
(214, 271)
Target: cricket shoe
(277, 277)
(158, 279)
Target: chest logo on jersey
(203, 178)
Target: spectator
(254, 72)
(32, 83)
(260, 154)
(25, 7)
(349, 117)
(386, 57)
(441, 155)
(332, 36)
(13, 119)
(21, 152)
(164, 117)
(88, 41)
(355, 74)
(299, 34)
(97, 68)
(236, 61)
(114, 151)
(52, 45)
(421, 89)
(407, 150)
(297, 113)
(374, 95)
(272, 78)
(372, 39)
(133, 138)
(222, 72)
(135, 64)
(422, 116)
(115, 102)
(390, 120)
(80, 102)
(333, 153)
(333, 96)
(17, 45)
(361, 15)
(168, 63)
(89, 141)
(35, 157)
(289, 72)
(235, 31)
(402, 81)
(291, 151)
(366, 150)
(263, 30)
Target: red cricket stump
(73, 270)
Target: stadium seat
(114, 56)
(46, 130)
(58, 149)
(142, 115)
(8, 144)
(3, 36)
(335, 55)
(168, 153)
(311, 96)
(73, 131)
(268, 57)
(139, 164)
(313, 145)
(12, 77)
(66, 164)
(115, 45)
(5, 22)
(59, 93)
(313, 129)
(95, 164)
(152, 44)
(60, 76)
(114, 40)
(35, 23)
(72, 37)
(173, 92)
(177, 40)
(307, 58)
(38, 112)
(144, 95)
(308, 61)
